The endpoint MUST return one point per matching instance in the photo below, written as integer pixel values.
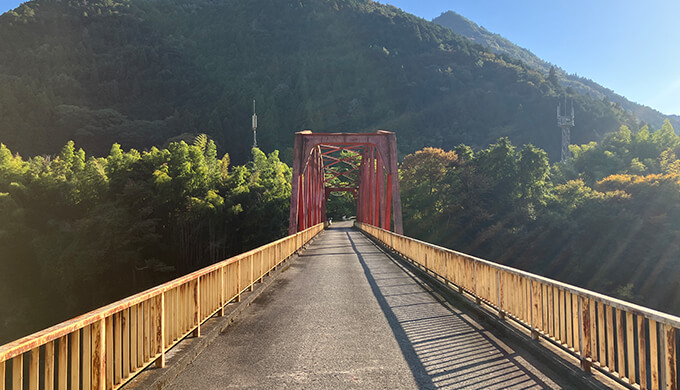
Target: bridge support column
(388, 203)
(393, 170)
(380, 187)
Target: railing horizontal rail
(106, 347)
(630, 342)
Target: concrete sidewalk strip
(345, 315)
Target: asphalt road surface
(344, 315)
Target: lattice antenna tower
(254, 126)
(565, 122)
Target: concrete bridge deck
(345, 315)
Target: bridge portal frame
(376, 183)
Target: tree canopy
(607, 219)
(95, 229)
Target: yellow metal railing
(631, 342)
(105, 348)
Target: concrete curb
(557, 360)
(186, 351)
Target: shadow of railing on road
(443, 348)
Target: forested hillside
(499, 44)
(607, 220)
(90, 230)
(140, 72)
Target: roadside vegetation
(608, 219)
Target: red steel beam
(380, 200)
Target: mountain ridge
(140, 72)
(499, 44)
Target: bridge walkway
(345, 315)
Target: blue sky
(629, 46)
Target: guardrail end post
(586, 364)
(478, 300)
(501, 315)
(460, 289)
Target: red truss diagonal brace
(373, 177)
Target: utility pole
(254, 126)
(565, 122)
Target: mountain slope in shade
(501, 45)
(140, 72)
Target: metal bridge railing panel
(632, 343)
(105, 348)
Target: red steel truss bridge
(365, 164)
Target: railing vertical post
(2, 375)
(108, 327)
(49, 367)
(642, 351)
(662, 353)
(18, 372)
(160, 336)
(99, 355)
(669, 378)
(223, 298)
(477, 299)
(262, 265)
(197, 307)
(584, 332)
(239, 278)
(63, 361)
(501, 313)
(532, 321)
(33, 369)
(460, 281)
(252, 277)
